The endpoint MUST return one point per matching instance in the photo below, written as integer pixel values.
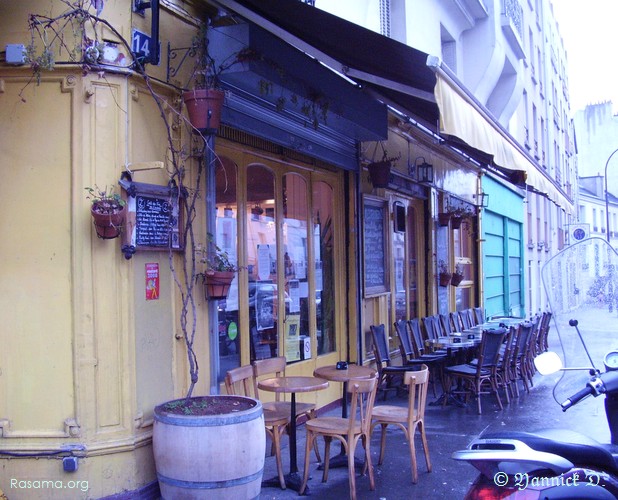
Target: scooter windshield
(581, 283)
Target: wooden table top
(330, 372)
(293, 384)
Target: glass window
(297, 289)
(226, 239)
(263, 297)
(323, 248)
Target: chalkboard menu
(154, 221)
(154, 216)
(374, 241)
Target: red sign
(152, 281)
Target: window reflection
(226, 238)
(323, 240)
(262, 262)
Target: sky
(590, 35)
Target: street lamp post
(607, 196)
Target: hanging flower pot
(456, 222)
(204, 107)
(380, 173)
(456, 279)
(444, 279)
(108, 212)
(217, 284)
(443, 219)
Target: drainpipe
(211, 225)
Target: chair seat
(274, 417)
(391, 414)
(331, 425)
(284, 407)
(467, 369)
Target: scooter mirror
(548, 363)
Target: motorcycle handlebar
(577, 397)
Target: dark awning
(402, 76)
(398, 71)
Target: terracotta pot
(188, 448)
(444, 279)
(217, 284)
(456, 279)
(204, 108)
(380, 173)
(444, 218)
(108, 226)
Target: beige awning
(462, 118)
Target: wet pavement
(451, 428)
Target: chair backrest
(272, 367)
(380, 346)
(239, 381)
(479, 315)
(489, 351)
(405, 344)
(432, 327)
(418, 382)
(509, 345)
(362, 398)
(455, 321)
(523, 335)
(416, 337)
(447, 324)
(465, 319)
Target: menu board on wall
(154, 216)
(375, 214)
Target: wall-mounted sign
(152, 281)
(154, 216)
(375, 212)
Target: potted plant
(458, 275)
(219, 272)
(380, 171)
(444, 218)
(444, 274)
(108, 211)
(205, 101)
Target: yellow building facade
(87, 350)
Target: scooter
(561, 463)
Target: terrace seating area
(468, 355)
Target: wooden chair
(447, 324)
(408, 354)
(504, 370)
(483, 371)
(348, 431)
(456, 321)
(542, 344)
(464, 318)
(275, 367)
(388, 373)
(518, 357)
(408, 419)
(432, 327)
(239, 381)
(479, 315)
(435, 360)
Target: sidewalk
(449, 429)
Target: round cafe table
(352, 372)
(292, 385)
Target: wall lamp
(483, 200)
(424, 170)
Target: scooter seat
(574, 446)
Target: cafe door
(287, 224)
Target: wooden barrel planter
(214, 452)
